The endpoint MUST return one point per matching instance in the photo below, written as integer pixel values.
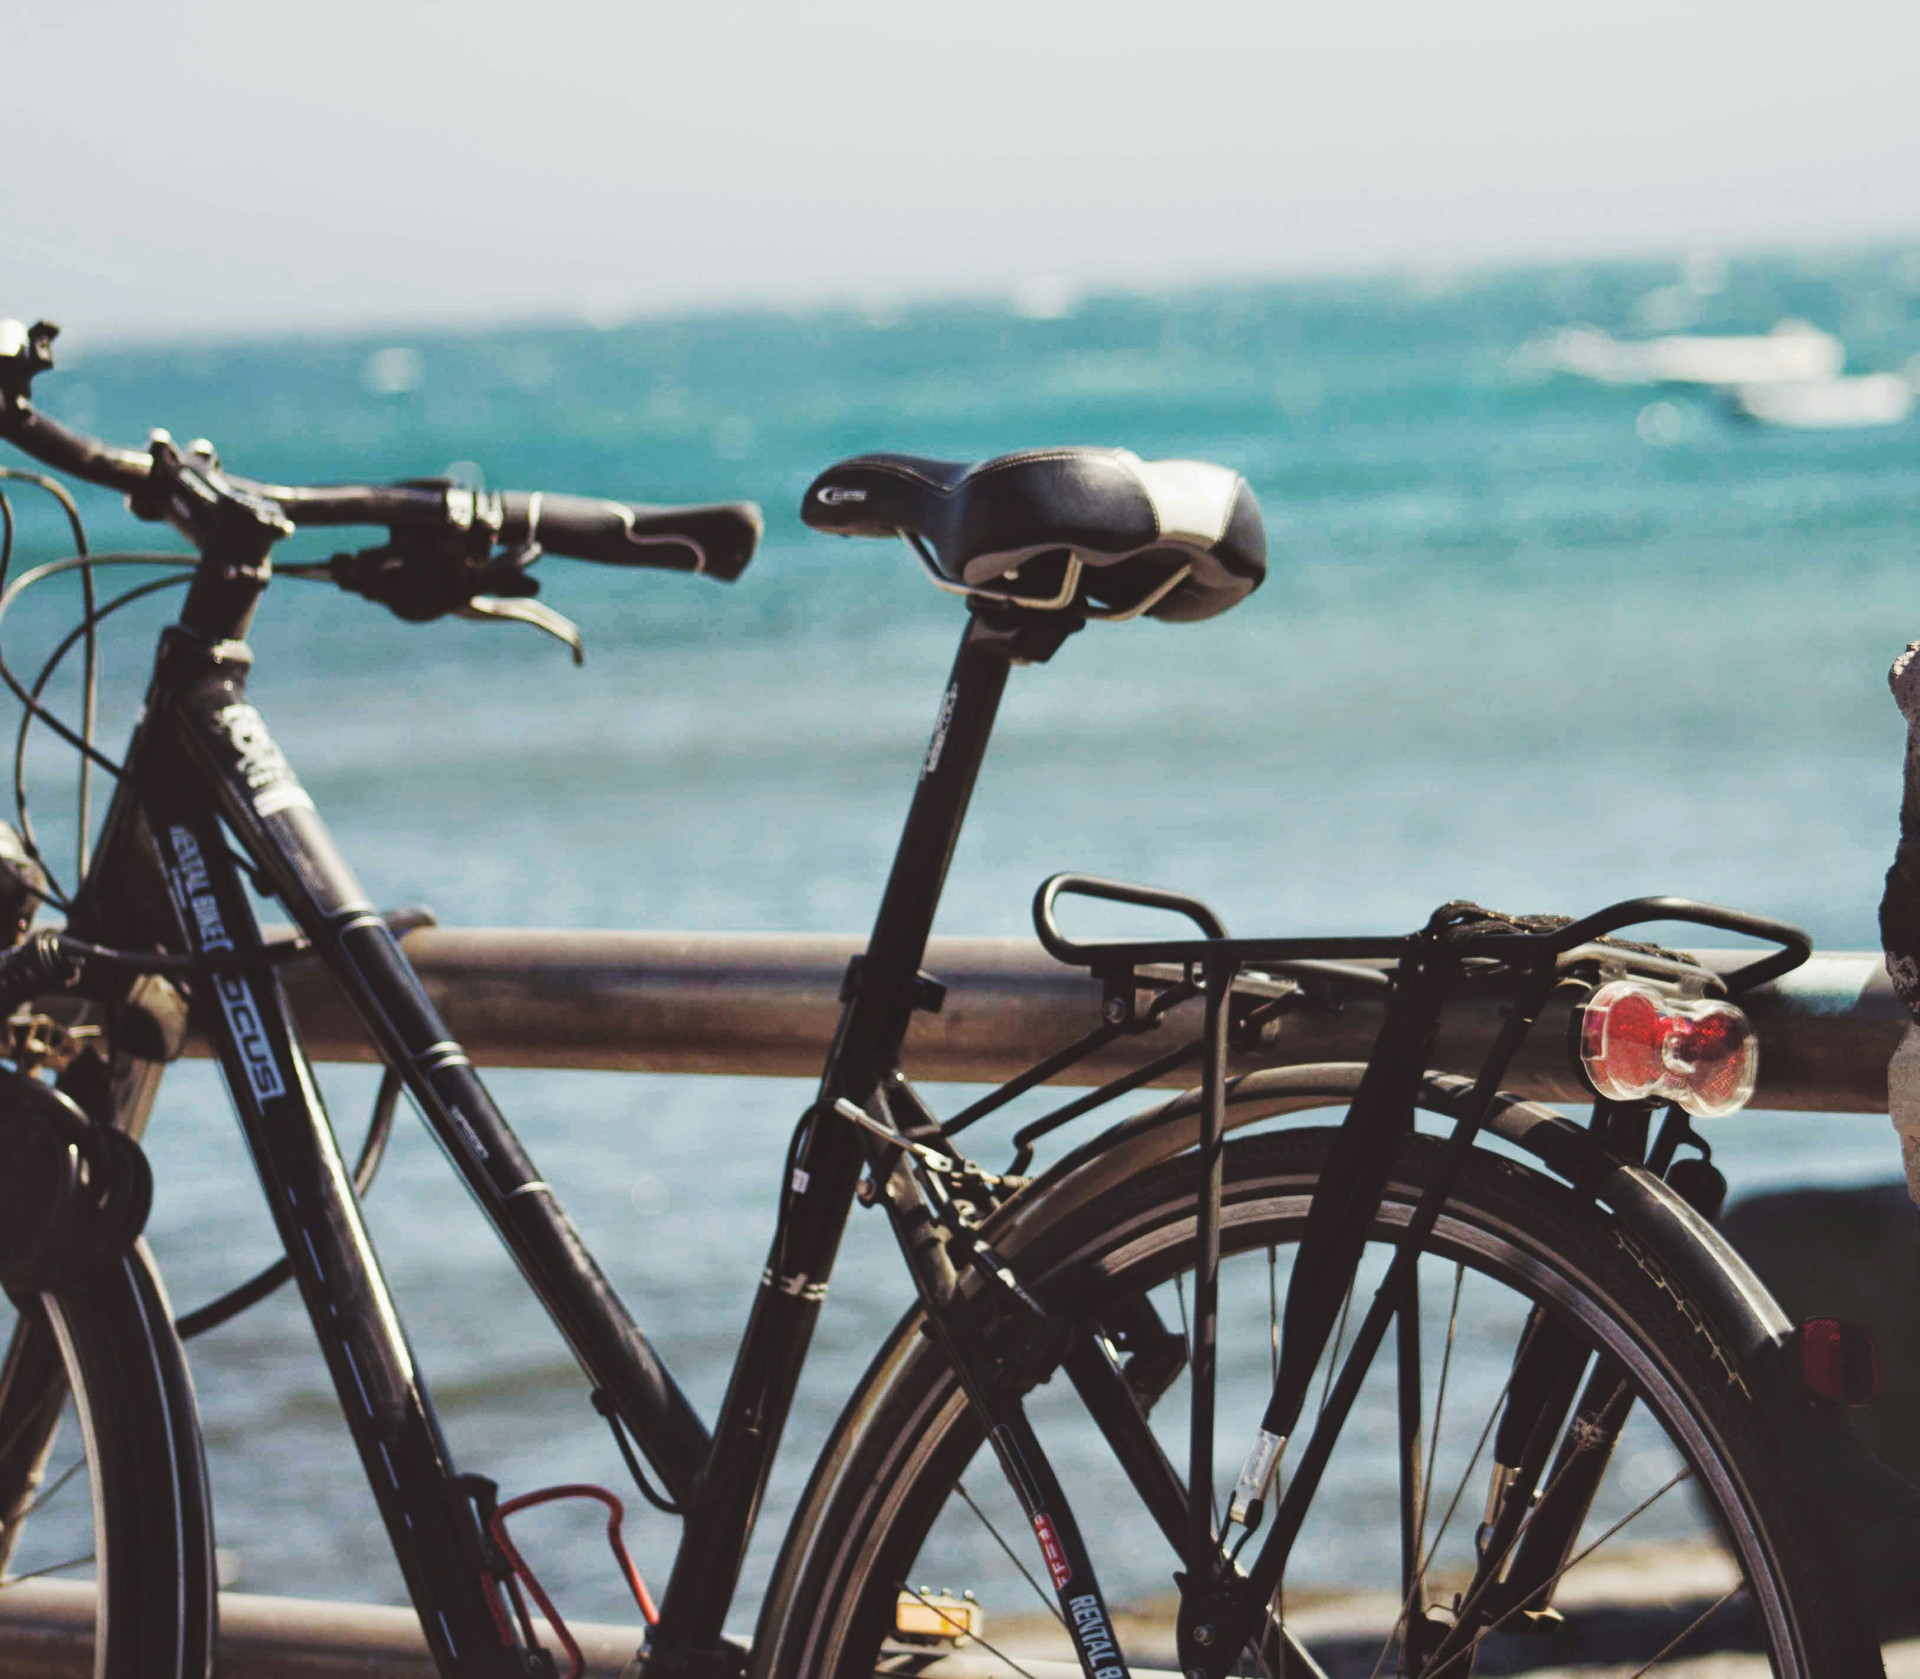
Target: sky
(214, 168)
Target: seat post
(948, 770)
(992, 642)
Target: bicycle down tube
(202, 757)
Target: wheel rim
(57, 1535)
(113, 1558)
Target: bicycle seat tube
(866, 1049)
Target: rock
(1851, 1253)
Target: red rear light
(1637, 1044)
(1621, 1031)
(1837, 1361)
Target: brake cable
(36, 711)
(90, 676)
(30, 698)
(86, 627)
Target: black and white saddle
(1099, 530)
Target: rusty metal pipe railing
(765, 1004)
(46, 1632)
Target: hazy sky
(225, 166)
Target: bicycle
(1625, 1312)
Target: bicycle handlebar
(715, 540)
(69, 451)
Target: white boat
(1794, 352)
(1868, 399)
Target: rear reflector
(1638, 1044)
(1836, 1360)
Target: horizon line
(1037, 297)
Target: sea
(1526, 639)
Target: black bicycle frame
(206, 799)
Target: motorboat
(1794, 352)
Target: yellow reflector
(938, 1618)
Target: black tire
(907, 1437)
(95, 1389)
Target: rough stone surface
(1848, 1253)
(1851, 1253)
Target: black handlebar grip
(715, 541)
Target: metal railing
(766, 1004)
(46, 1632)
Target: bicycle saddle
(1098, 529)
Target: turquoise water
(1509, 650)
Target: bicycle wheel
(900, 1512)
(105, 1537)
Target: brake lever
(527, 611)
(432, 582)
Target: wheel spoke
(1299, 1659)
(1466, 1475)
(1013, 1556)
(50, 1568)
(1186, 1335)
(1446, 1367)
(1689, 1629)
(1415, 1589)
(47, 1494)
(1631, 1516)
(1433, 1550)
